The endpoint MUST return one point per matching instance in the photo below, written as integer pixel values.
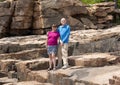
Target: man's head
(63, 21)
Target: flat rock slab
(7, 80)
(25, 54)
(85, 76)
(32, 83)
(77, 75)
(16, 44)
(98, 75)
(2, 75)
(92, 59)
(8, 65)
(87, 36)
(41, 76)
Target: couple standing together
(58, 38)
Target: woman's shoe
(49, 69)
(54, 69)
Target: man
(64, 30)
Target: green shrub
(2, 0)
(91, 1)
(98, 1)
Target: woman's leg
(50, 62)
(54, 61)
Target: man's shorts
(52, 49)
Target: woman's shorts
(52, 49)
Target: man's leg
(59, 54)
(65, 55)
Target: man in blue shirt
(64, 30)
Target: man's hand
(61, 43)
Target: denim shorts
(52, 49)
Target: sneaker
(65, 66)
(54, 69)
(57, 67)
(49, 69)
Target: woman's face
(54, 28)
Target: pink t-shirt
(52, 38)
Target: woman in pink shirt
(52, 42)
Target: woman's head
(54, 27)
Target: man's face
(63, 21)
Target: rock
(75, 24)
(94, 59)
(46, 13)
(19, 17)
(5, 80)
(25, 55)
(5, 4)
(2, 75)
(74, 10)
(23, 14)
(20, 32)
(117, 11)
(8, 65)
(105, 4)
(94, 41)
(24, 69)
(2, 31)
(88, 23)
(32, 83)
(12, 74)
(39, 32)
(16, 44)
(101, 26)
(101, 13)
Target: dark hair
(54, 25)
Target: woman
(52, 42)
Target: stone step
(76, 75)
(115, 80)
(16, 44)
(26, 54)
(93, 60)
(32, 83)
(8, 65)
(87, 60)
(5, 80)
(24, 68)
(99, 76)
(36, 69)
(3, 74)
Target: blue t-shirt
(64, 33)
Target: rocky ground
(94, 57)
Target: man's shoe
(57, 67)
(54, 68)
(65, 66)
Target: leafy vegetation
(2, 0)
(98, 1)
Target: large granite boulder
(22, 19)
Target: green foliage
(98, 1)
(91, 1)
(2, 0)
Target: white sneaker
(65, 66)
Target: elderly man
(64, 30)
